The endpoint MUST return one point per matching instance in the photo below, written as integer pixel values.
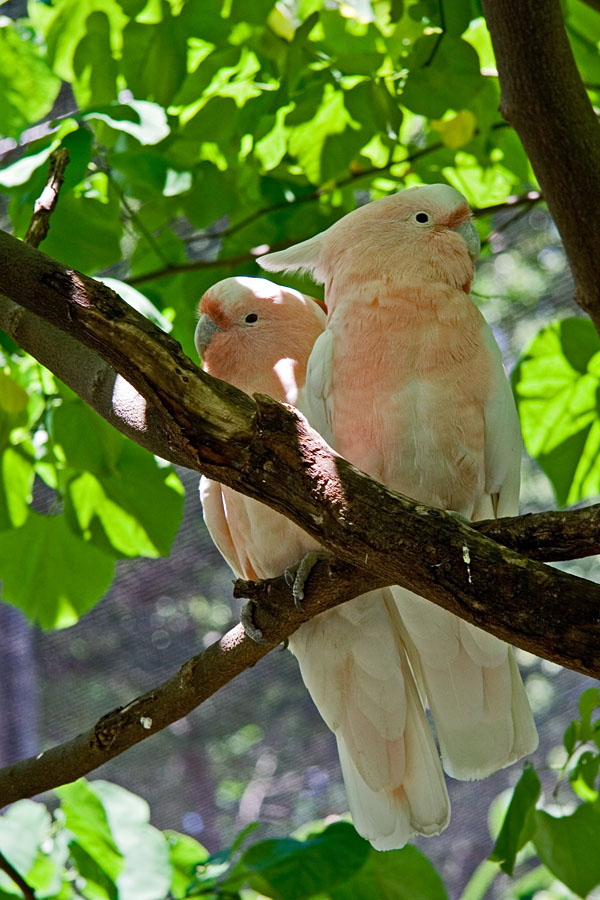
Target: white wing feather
(470, 678)
(314, 399)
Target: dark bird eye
(251, 318)
(422, 218)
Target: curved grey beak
(469, 234)
(205, 331)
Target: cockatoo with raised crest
(353, 659)
(407, 383)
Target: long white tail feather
(354, 664)
(473, 686)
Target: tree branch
(544, 98)
(262, 449)
(18, 879)
(271, 454)
(331, 582)
(44, 205)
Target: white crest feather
(304, 257)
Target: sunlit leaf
(557, 389)
(517, 827)
(186, 855)
(396, 875)
(27, 86)
(51, 574)
(569, 846)
(295, 870)
(23, 827)
(86, 818)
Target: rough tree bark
(544, 99)
(259, 448)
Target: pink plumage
(352, 658)
(407, 383)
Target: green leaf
(85, 230)
(64, 25)
(13, 398)
(28, 88)
(395, 875)
(569, 846)
(89, 443)
(557, 389)
(457, 16)
(145, 121)
(213, 195)
(293, 870)
(186, 855)
(16, 483)
(583, 777)
(429, 90)
(146, 869)
(313, 125)
(98, 884)
(94, 65)
(517, 826)
(19, 172)
(50, 573)
(23, 827)
(123, 500)
(570, 736)
(588, 702)
(154, 58)
(86, 818)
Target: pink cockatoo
(258, 336)
(407, 383)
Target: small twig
(440, 36)
(529, 204)
(18, 879)
(133, 217)
(44, 205)
(530, 198)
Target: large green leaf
(93, 63)
(50, 573)
(396, 875)
(123, 499)
(146, 871)
(86, 229)
(518, 824)
(27, 86)
(287, 869)
(186, 855)
(154, 58)
(23, 827)
(557, 389)
(569, 846)
(86, 818)
(445, 76)
(16, 482)
(64, 24)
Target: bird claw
(251, 629)
(297, 574)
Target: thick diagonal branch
(544, 99)
(266, 452)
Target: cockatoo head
(258, 335)
(420, 234)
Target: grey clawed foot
(297, 574)
(250, 627)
